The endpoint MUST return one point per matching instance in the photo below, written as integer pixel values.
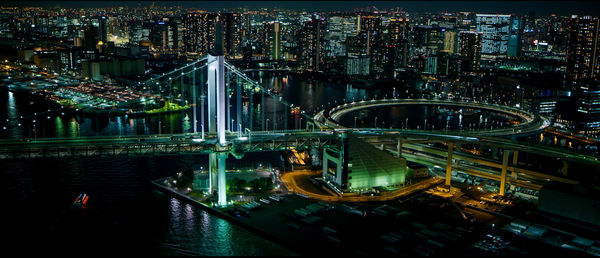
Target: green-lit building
(358, 165)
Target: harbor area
(427, 220)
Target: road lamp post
(249, 136)
(355, 121)
(375, 122)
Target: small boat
(81, 202)
(295, 111)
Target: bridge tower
(217, 114)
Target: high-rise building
(311, 39)
(159, 36)
(199, 31)
(90, 37)
(429, 38)
(272, 42)
(582, 50)
(357, 65)
(382, 60)
(588, 108)
(398, 30)
(469, 48)
(233, 32)
(498, 30)
(369, 23)
(447, 64)
(102, 28)
(135, 31)
(431, 64)
(450, 41)
(514, 37)
(371, 26)
(339, 28)
(355, 45)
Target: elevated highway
(532, 123)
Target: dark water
(125, 215)
(39, 122)
(426, 116)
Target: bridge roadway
(181, 144)
(251, 142)
(165, 144)
(532, 123)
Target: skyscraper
(495, 29)
(311, 39)
(272, 44)
(233, 31)
(90, 37)
(450, 41)
(514, 37)
(582, 50)
(199, 31)
(339, 28)
(469, 48)
(398, 30)
(102, 28)
(583, 71)
(588, 108)
(371, 25)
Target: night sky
(516, 7)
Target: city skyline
(509, 6)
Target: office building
(582, 50)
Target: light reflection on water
(212, 236)
(126, 215)
(309, 95)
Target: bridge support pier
(262, 108)
(513, 174)
(494, 152)
(503, 175)
(274, 114)
(217, 178)
(449, 164)
(399, 148)
(221, 179)
(197, 183)
(565, 168)
(212, 172)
